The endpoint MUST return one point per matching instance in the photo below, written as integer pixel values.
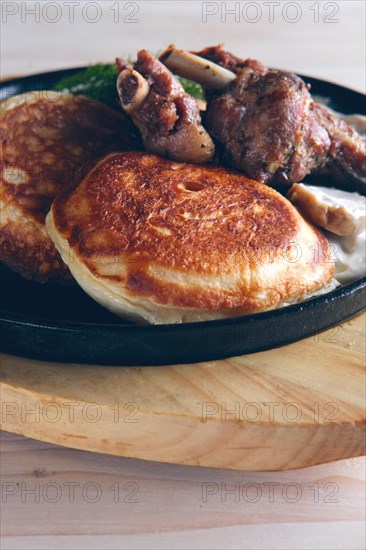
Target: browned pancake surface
(48, 141)
(221, 230)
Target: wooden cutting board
(296, 406)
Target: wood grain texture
(296, 406)
(172, 507)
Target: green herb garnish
(192, 88)
(96, 82)
(99, 82)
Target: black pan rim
(39, 322)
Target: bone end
(132, 89)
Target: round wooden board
(296, 406)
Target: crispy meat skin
(268, 126)
(168, 118)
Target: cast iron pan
(63, 324)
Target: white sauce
(347, 252)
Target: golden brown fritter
(168, 242)
(48, 141)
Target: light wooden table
(86, 500)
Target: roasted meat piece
(266, 124)
(168, 118)
(347, 152)
(266, 127)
